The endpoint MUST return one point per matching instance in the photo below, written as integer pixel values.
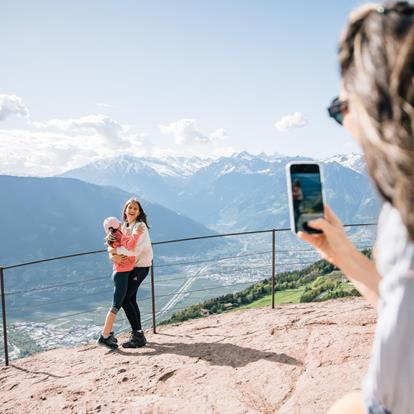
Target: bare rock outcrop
(292, 359)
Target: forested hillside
(317, 282)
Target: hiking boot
(112, 336)
(108, 342)
(137, 340)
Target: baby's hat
(110, 222)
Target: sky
(85, 80)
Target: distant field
(284, 296)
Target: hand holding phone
(306, 200)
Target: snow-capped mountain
(168, 166)
(233, 193)
(353, 161)
(150, 178)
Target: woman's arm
(129, 242)
(120, 251)
(335, 247)
(124, 251)
(349, 404)
(117, 258)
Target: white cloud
(219, 134)
(185, 132)
(112, 131)
(57, 145)
(35, 152)
(43, 153)
(12, 105)
(295, 120)
(141, 143)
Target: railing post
(153, 299)
(3, 312)
(273, 266)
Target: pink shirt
(129, 242)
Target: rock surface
(293, 359)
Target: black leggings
(121, 283)
(130, 305)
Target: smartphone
(306, 199)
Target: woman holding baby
(130, 250)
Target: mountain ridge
(55, 216)
(239, 192)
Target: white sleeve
(390, 377)
(142, 241)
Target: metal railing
(152, 283)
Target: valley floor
(297, 358)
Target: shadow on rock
(28, 371)
(215, 353)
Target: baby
(112, 226)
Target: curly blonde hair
(376, 55)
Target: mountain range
(45, 217)
(184, 197)
(236, 193)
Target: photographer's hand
(333, 244)
(335, 247)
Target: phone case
(289, 189)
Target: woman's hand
(140, 228)
(333, 244)
(335, 247)
(118, 258)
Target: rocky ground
(293, 359)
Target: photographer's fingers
(329, 233)
(315, 240)
(321, 224)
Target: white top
(143, 248)
(390, 377)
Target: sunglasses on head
(337, 110)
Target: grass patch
(284, 296)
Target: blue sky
(83, 80)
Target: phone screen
(306, 195)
